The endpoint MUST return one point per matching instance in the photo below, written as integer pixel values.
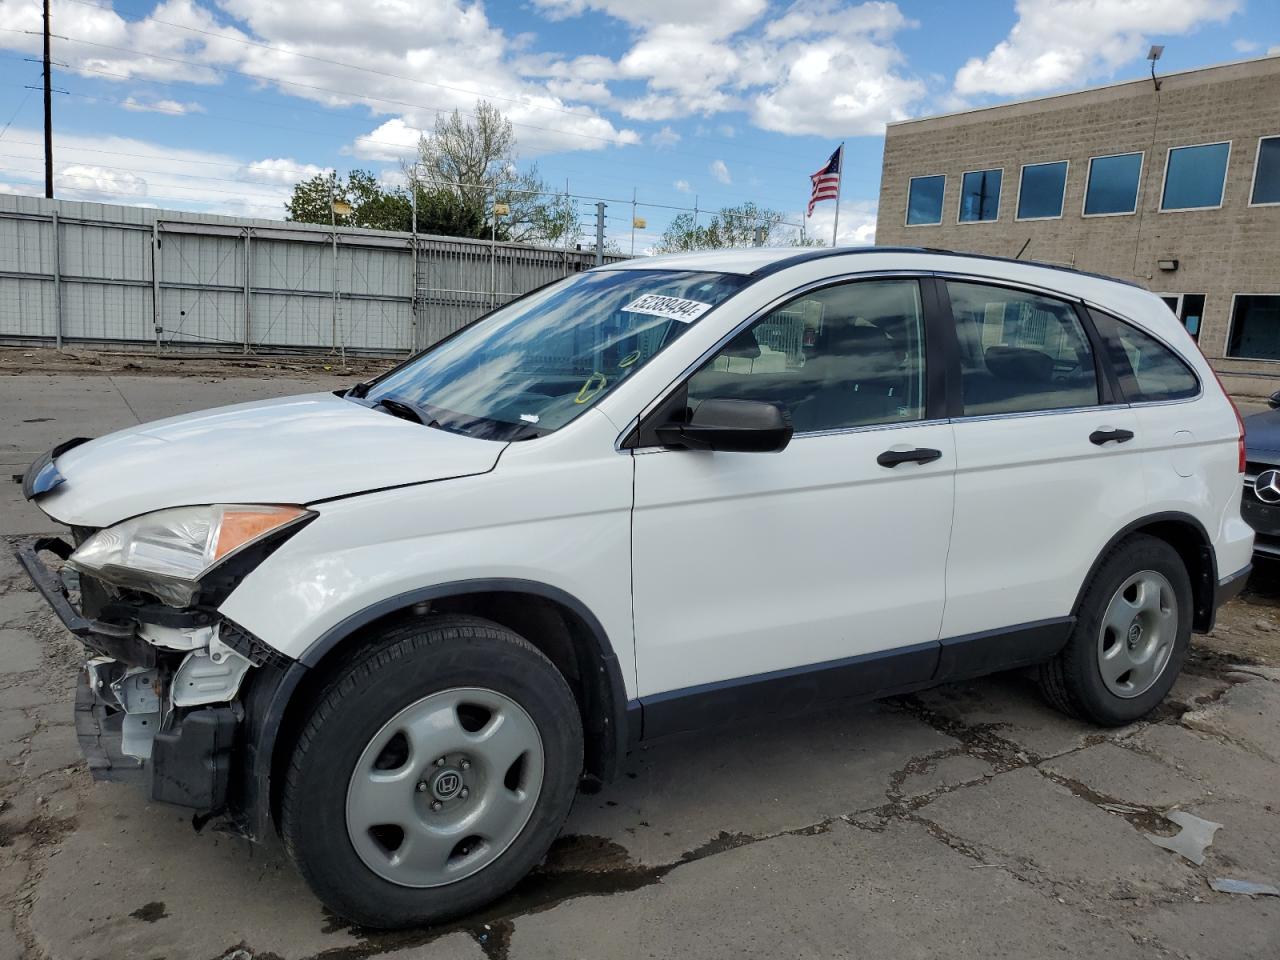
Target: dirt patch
(1248, 628)
(14, 360)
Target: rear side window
(1020, 352)
(1148, 371)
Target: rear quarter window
(1146, 369)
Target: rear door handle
(891, 458)
(1099, 437)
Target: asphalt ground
(970, 820)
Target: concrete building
(1175, 187)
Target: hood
(1262, 435)
(289, 450)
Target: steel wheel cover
(445, 787)
(1138, 633)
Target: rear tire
(1131, 637)
(432, 773)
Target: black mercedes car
(1261, 503)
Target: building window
(1040, 192)
(1255, 327)
(980, 196)
(924, 200)
(1113, 185)
(1266, 172)
(1187, 307)
(1194, 177)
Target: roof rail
(823, 252)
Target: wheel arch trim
(620, 715)
(1204, 581)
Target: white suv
(402, 624)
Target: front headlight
(167, 552)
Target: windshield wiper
(407, 411)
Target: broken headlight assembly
(167, 553)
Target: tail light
(1239, 422)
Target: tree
(371, 205)
(730, 227)
(473, 163)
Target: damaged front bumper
(163, 691)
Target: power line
(356, 98)
(345, 94)
(487, 94)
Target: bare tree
(474, 161)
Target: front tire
(1131, 637)
(432, 774)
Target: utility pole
(600, 233)
(48, 109)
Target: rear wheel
(432, 774)
(1131, 636)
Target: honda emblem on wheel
(446, 785)
(1267, 487)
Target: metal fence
(73, 272)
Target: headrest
(1019, 363)
(744, 344)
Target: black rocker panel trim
(864, 677)
(976, 654)
(789, 691)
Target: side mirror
(1273, 401)
(741, 426)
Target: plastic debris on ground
(1192, 840)
(1247, 887)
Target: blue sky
(221, 105)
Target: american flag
(826, 182)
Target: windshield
(531, 367)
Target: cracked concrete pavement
(967, 821)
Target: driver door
(775, 580)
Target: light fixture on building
(1154, 54)
(1169, 265)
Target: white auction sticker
(675, 308)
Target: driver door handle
(1099, 437)
(891, 458)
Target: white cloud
(297, 46)
(281, 170)
(113, 169)
(857, 222)
(174, 107)
(682, 186)
(1059, 43)
(1246, 46)
(825, 67)
(85, 181)
(1273, 51)
(664, 138)
(720, 171)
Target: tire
(1148, 583)
(398, 759)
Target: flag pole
(839, 183)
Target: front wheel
(432, 774)
(1132, 633)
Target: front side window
(1194, 177)
(1020, 351)
(1041, 190)
(1147, 369)
(531, 367)
(1266, 173)
(1255, 327)
(980, 196)
(1112, 186)
(924, 200)
(845, 356)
